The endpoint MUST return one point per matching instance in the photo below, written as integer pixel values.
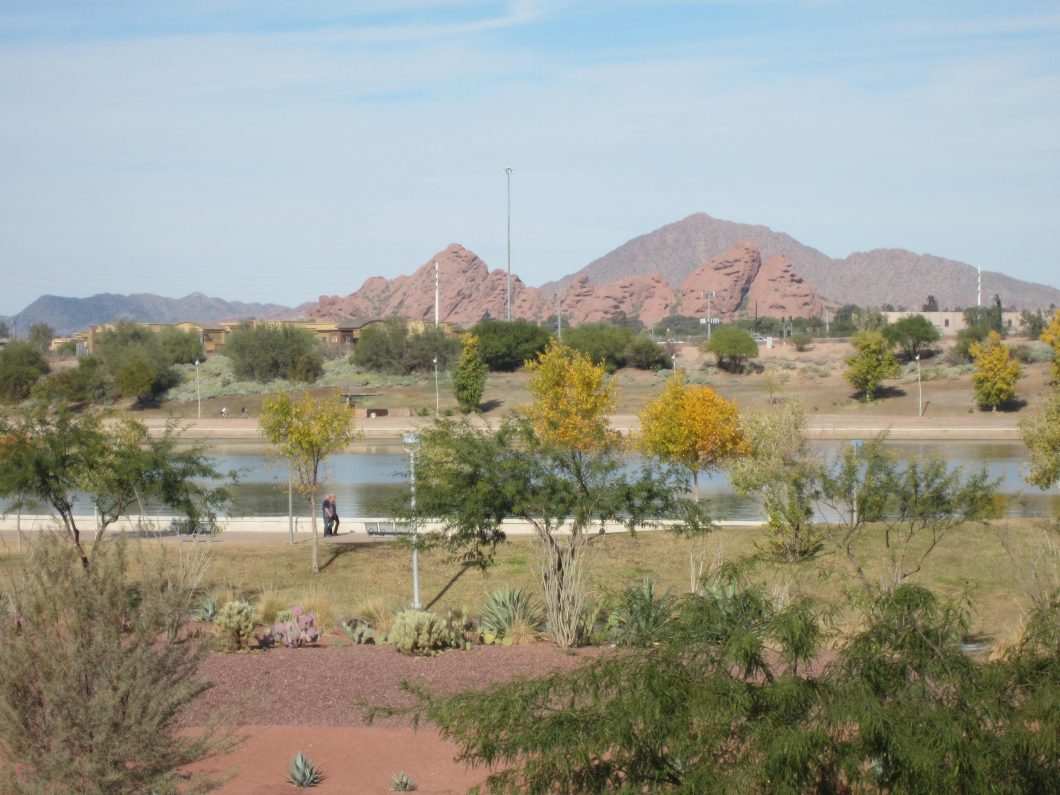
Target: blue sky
(277, 151)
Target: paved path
(818, 426)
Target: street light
(673, 357)
(508, 172)
(437, 401)
(919, 390)
(411, 442)
(198, 394)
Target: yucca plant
(399, 782)
(510, 614)
(642, 615)
(303, 772)
(209, 608)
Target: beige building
(950, 324)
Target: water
(370, 483)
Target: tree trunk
(313, 518)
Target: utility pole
(508, 172)
(436, 295)
(709, 295)
(559, 318)
(979, 289)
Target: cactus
(235, 625)
(300, 630)
(303, 772)
(399, 782)
(419, 633)
(208, 609)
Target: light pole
(198, 394)
(508, 172)
(919, 390)
(673, 358)
(709, 295)
(411, 442)
(437, 401)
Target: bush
(644, 353)
(21, 364)
(642, 615)
(733, 347)
(510, 617)
(91, 680)
(235, 626)
(390, 347)
(801, 340)
(266, 351)
(604, 343)
(508, 346)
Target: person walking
(331, 516)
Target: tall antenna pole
(559, 317)
(508, 172)
(979, 289)
(436, 294)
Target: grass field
(971, 563)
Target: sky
(278, 151)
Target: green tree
(469, 376)
(869, 319)
(931, 305)
(21, 366)
(267, 351)
(40, 336)
(873, 363)
(1032, 324)
(644, 353)
(1041, 434)
(92, 679)
(996, 372)
(603, 343)
(178, 346)
(51, 454)
(5, 332)
(382, 348)
(134, 364)
(912, 333)
(1051, 336)
(692, 426)
(733, 347)
(801, 340)
(306, 432)
(508, 346)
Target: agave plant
(399, 782)
(303, 772)
(510, 614)
(642, 615)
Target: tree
(178, 346)
(780, 468)
(267, 351)
(910, 507)
(1051, 336)
(5, 332)
(40, 336)
(911, 334)
(873, 363)
(1032, 324)
(996, 372)
(692, 426)
(733, 347)
(558, 465)
(21, 365)
(134, 363)
(801, 340)
(92, 678)
(869, 319)
(307, 431)
(931, 305)
(1041, 434)
(603, 343)
(381, 348)
(469, 376)
(644, 353)
(508, 346)
(51, 454)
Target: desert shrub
(91, 680)
(644, 353)
(399, 782)
(801, 340)
(358, 631)
(266, 351)
(642, 614)
(605, 344)
(733, 347)
(507, 346)
(376, 614)
(21, 364)
(235, 626)
(510, 616)
(303, 772)
(208, 609)
(417, 632)
(269, 605)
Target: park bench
(388, 529)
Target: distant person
(224, 412)
(244, 413)
(331, 516)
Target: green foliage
(733, 347)
(391, 347)
(5, 332)
(419, 633)
(21, 365)
(208, 609)
(88, 383)
(1032, 324)
(1041, 434)
(40, 336)
(912, 333)
(644, 353)
(180, 346)
(51, 454)
(801, 340)
(872, 363)
(133, 364)
(266, 351)
(509, 615)
(931, 305)
(92, 682)
(234, 625)
(508, 346)
(604, 343)
(303, 773)
(469, 376)
(642, 615)
(399, 782)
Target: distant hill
(894, 276)
(69, 315)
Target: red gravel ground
(313, 700)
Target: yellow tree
(692, 426)
(996, 372)
(306, 431)
(1051, 336)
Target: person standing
(331, 518)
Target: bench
(388, 529)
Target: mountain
(69, 315)
(893, 276)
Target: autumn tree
(306, 432)
(692, 426)
(996, 372)
(1041, 434)
(1051, 337)
(469, 376)
(873, 363)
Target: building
(949, 324)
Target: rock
(780, 292)
(728, 275)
